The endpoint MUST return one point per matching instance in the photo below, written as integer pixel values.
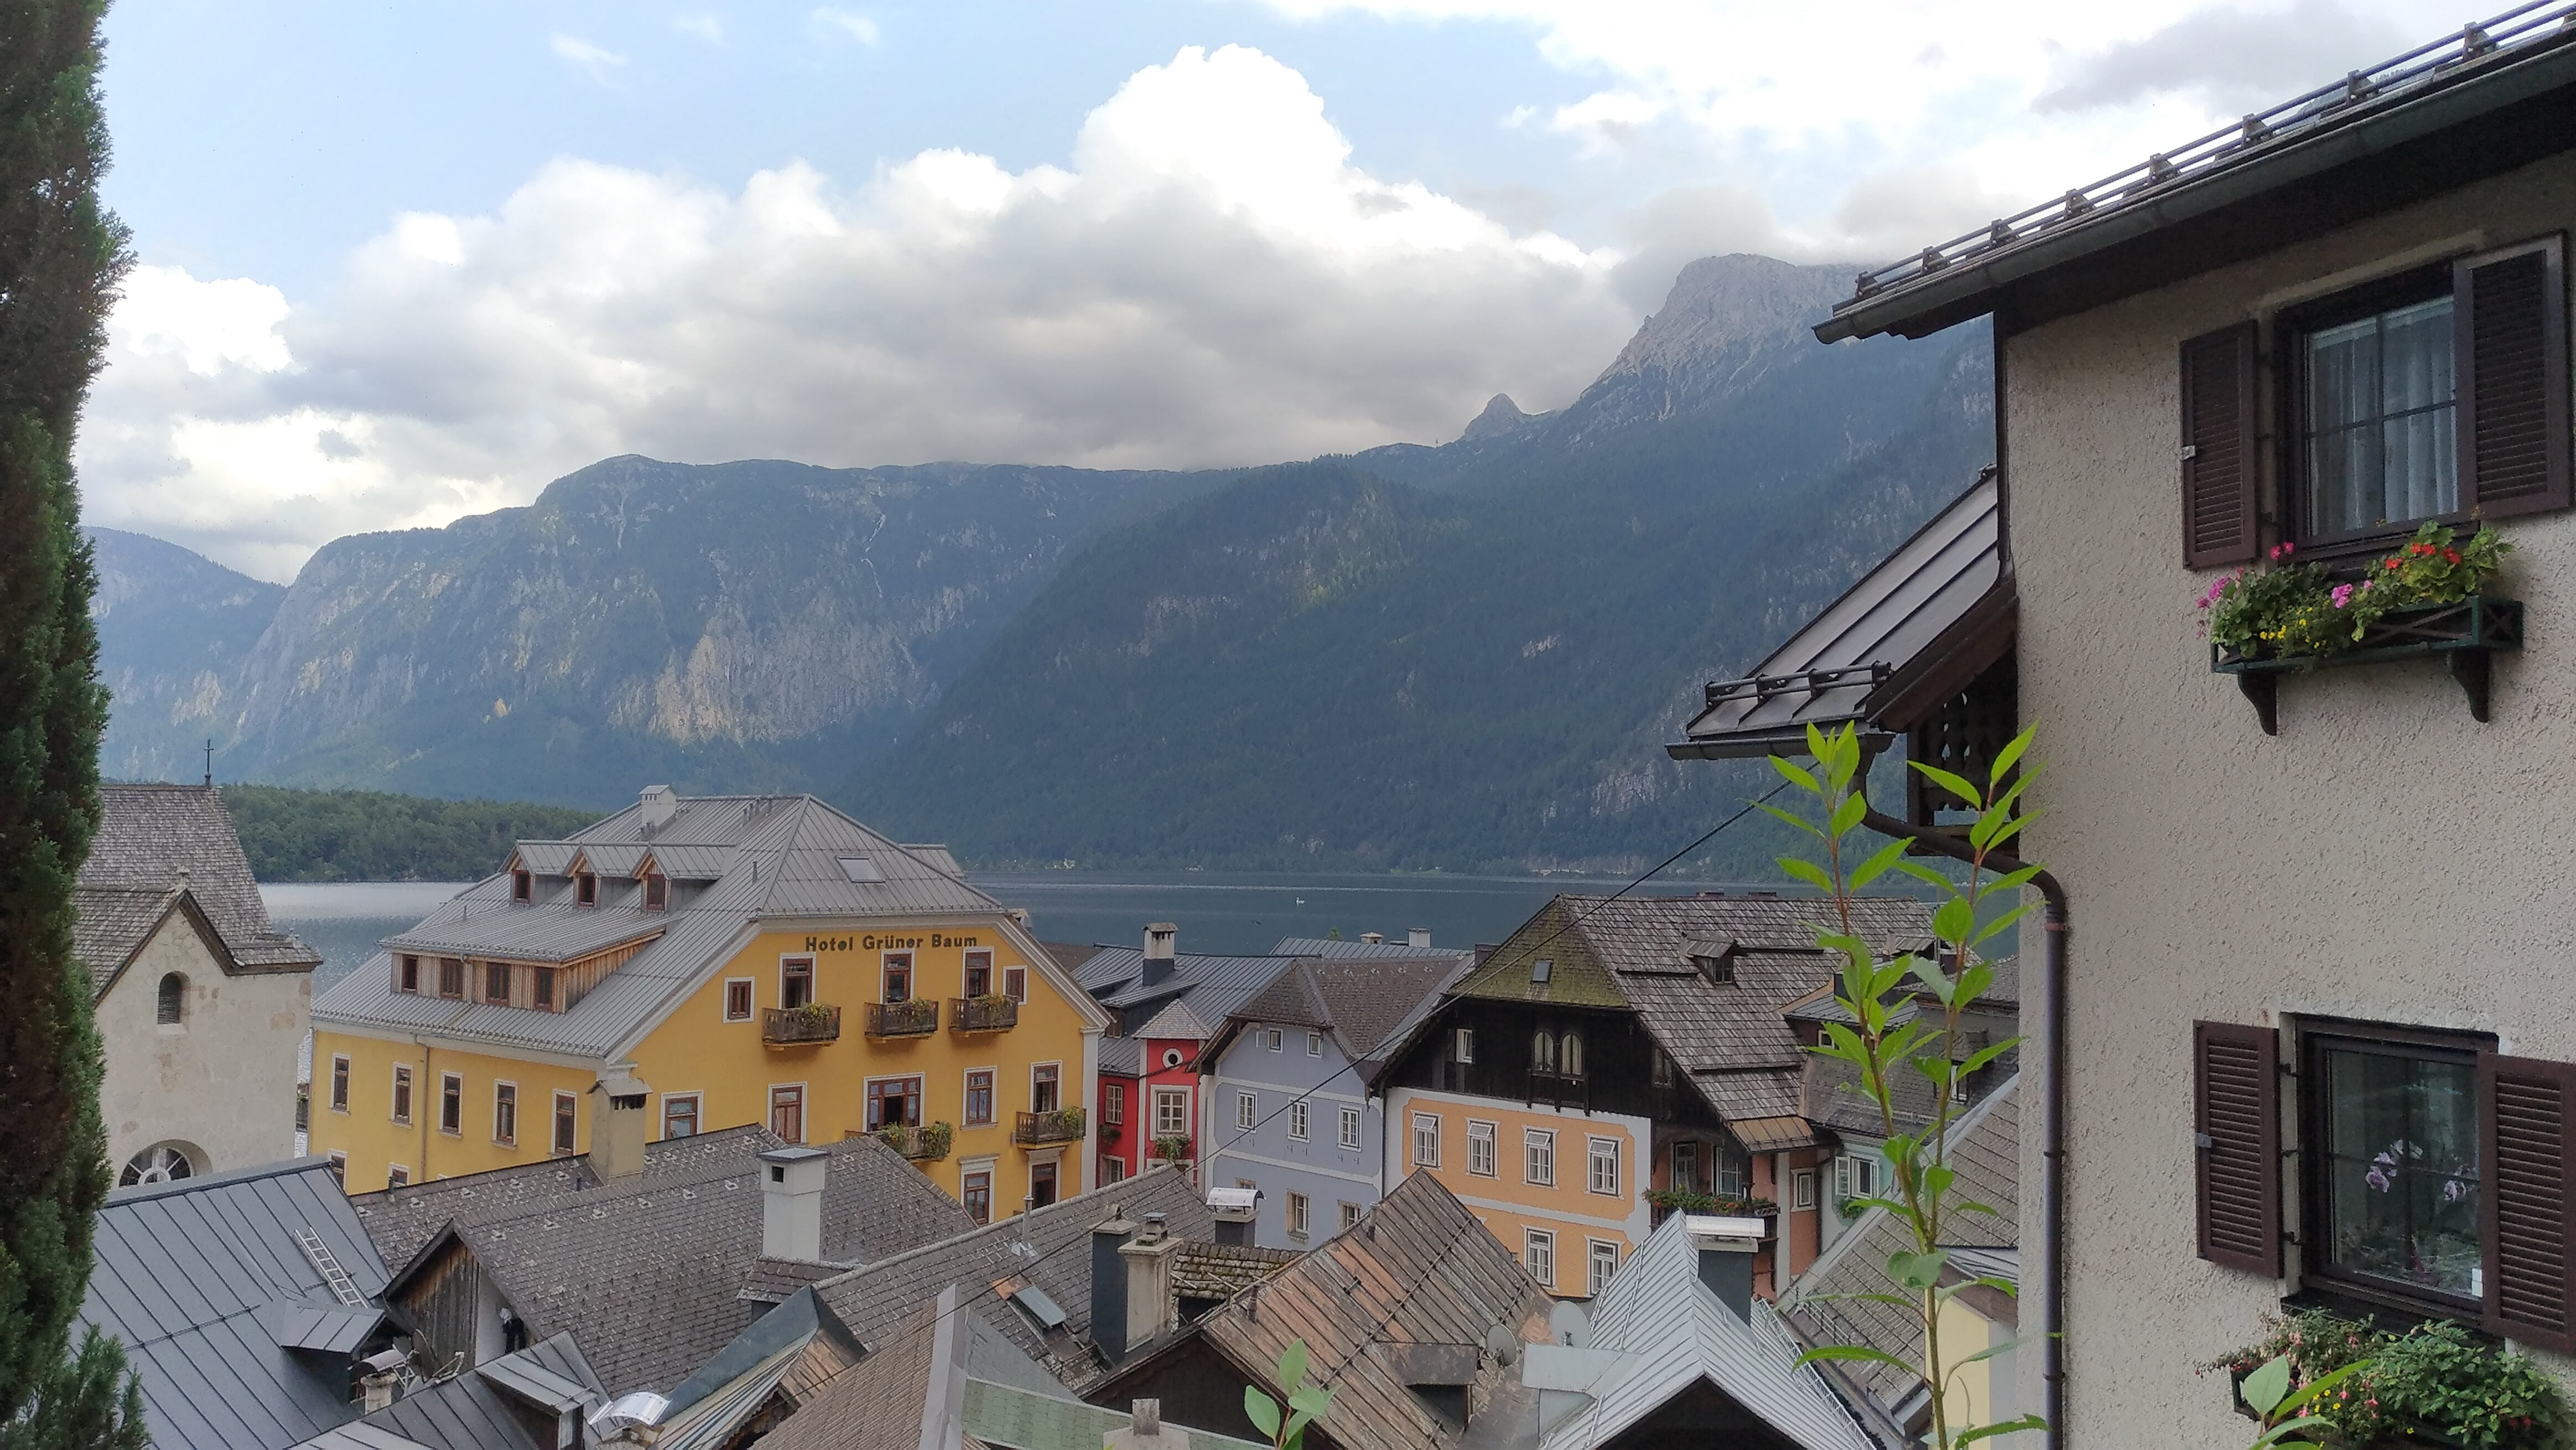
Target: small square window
(397, 1176)
(1171, 1112)
(680, 1115)
(1276, 1038)
(1350, 1217)
(737, 1001)
(1015, 983)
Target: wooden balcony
(1064, 1125)
(982, 1014)
(926, 1143)
(903, 1019)
(799, 1026)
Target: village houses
(2295, 982)
(721, 961)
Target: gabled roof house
(2296, 974)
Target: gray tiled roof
(1214, 986)
(147, 836)
(881, 1402)
(114, 922)
(1674, 1333)
(183, 1275)
(1418, 1270)
(469, 1411)
(1333, 948)
(1050, 1248)
(1987, 1157)
(650, 1270)
(782, 859)
(1361, 1000)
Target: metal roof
(781, 862)
(480, 1409)
(196, 1277)
(2463, 76)
(1941, 605)
(1657, 1331)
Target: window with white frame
(1314, 1044)
(1350, 1127)
(1538, 1157)
(1171, 1112)
(1802, 1188)
(1538, 1255)
(1350, 1216)
(1274, 1039)
(1297, 1120)
(1480, 1150)
(1426, 1140)
(1300, 1209)
(1604, 1262)
(1602, 1166)
(1247, 1111)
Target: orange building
(736, 960)
(1616, 1059)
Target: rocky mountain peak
(1727, 321)
(1501, 416)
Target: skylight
(862, 871)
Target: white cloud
(2015, 99)
(599, 62)
(846, 25)
(702, 24)
(1210, 281)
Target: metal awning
(1908, 637)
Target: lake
(1216, 912)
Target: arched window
(1542, 1052)
(161, 1163)
(1570, 1051)
(174, 999)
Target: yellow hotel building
(761, 959)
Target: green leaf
(1801, 822)
(2013, 880)
(1312, 1400)
(2003, 922)
(1928, 874)
(1948, 1292)
(1957, 785)
(1292, 1364)
(1953, 919)
(1262, 1411)
(2278, 1432)
(1877, 865)
(2267, 1386)
(2010, 755)
(1796, 774)
(1991, 1350)
(2000, 1427)
(2318, 1386)
(1854, 1351)
(1847, 814)
(1918, 1272)
(1807, 871)
(1987, 1054)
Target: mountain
(1461, 657)
(173, 628)
(756, 625)
(1458, 656)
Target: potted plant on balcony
(2436, 1384)
(1173, 1149)
(2296, 610)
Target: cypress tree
(60, 257)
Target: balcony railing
(983, 1014)
(922, 1144)
(1064, 1125)
(791, 1026)
(1559, 1089)
(903, 1019)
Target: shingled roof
(733, 861)
(1419, 1272)
(650, 1270)
(1048, 1249)
(1986, 1154)
(155, 842)
(1362, 1001)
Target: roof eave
(1971, 289)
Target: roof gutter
(1966, 290)
(2052, 1187)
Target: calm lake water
(1216, 913)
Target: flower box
(2463, 633)
(916, 1018)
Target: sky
(399, 263)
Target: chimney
(384, 1372)
(1234, 1210)
(617, 1126)
(1109, 1283)
(660, 803)
(1373, 938)
(1418, 938)
(1149, 1281)
(379, 1390)
(1146, 1430)
(791, 1203)
(1727, 1247)
(1162, 940)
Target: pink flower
(2342, 595)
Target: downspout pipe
(2052, 1185)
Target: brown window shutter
(2236, 1090)
(2512, 364)
(2218, 522)
(2527, 1121)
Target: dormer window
(1719, 968)
(585, 889)
(523, 886)
(657, 891)
(408, 973)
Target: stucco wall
(1319, 1167)
(222, 1081)
(2385, 858)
